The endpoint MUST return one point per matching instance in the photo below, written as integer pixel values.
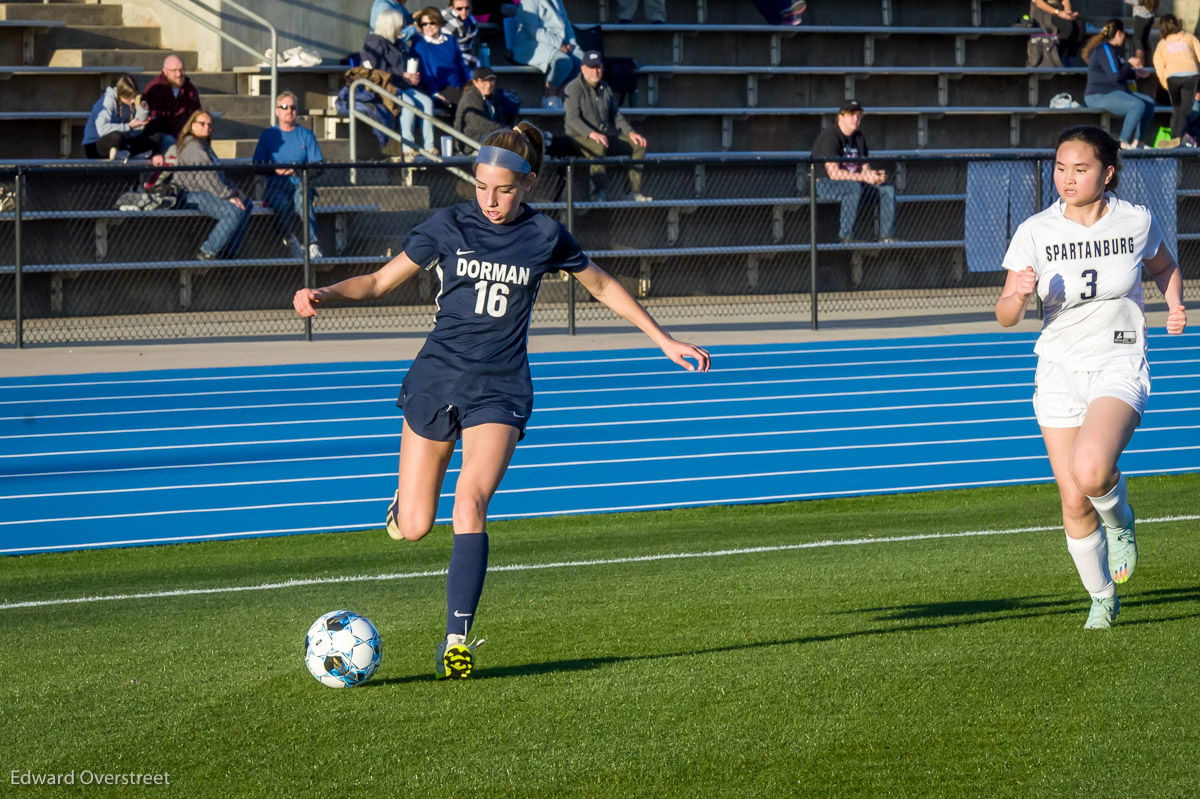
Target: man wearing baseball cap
(852, 181)
(478, 113)
(599, 129)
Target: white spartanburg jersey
(1090, 282)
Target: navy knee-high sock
(464, 582)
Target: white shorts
(1061, 396)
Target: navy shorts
(438, 420)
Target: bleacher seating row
(947, 76)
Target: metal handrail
(354, 114)
(273, 61)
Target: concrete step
(205, 82)
(97, 37)
(236, 106)
(70, 13)
(149, 60)
(388, 198)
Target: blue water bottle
(485, 56)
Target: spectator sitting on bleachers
(463, 28)
(1108, 79)
(782, 12)
(1057, 17)
(443, 71)
(384, 50)
(172, 100)
(851, 182)
(656, 11)
(1177, 66)
(117, 125)
(1143, 22)
(289, 143)
(545, 40)
(210, 192)
(379, 6)
(599, 129)
(477, 114)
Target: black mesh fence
(100, 253)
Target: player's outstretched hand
(1176, 320)
(683, 353)
(1026, 281)
(305, 302)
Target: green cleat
(1103, 613)
(1122, 551)
(454, 658)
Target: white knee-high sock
(1091, 561)
(1113, 507)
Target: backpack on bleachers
(1043, 51)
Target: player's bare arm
(358, 288)
(610, 292)
(1169, 280)
(1018, 288)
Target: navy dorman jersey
(488, 277)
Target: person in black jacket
(478, 114)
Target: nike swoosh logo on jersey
(518, 415)
(458, 615)
(462, 252)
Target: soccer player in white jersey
(1084, 256)
(471, 379)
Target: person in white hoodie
(117, 124)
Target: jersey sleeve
(422, 242)
(1154, 240)
(568, 255)
(1022, 251)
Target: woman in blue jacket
(443, 71)
(1109, 73)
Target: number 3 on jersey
(494, 300)
(1089, 275)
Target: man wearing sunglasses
(288, 144)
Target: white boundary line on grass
(524, 567)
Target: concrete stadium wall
(333, 30)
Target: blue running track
(154, 457)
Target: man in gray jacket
(599, 129)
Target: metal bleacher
(730, 106)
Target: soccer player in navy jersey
(471, 378)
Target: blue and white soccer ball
(342, 649)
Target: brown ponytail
(1110, 29)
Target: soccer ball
(342, 649)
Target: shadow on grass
(989, 610)
(984, 607)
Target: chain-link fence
(104, 254)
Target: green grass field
(953, 666)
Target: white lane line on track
(624, 423)
(526, 567)
(874, 467)
(572, 409)
(1025, 339)
(528, 446)
(539, 465)
(391, 387)
(590, 391)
